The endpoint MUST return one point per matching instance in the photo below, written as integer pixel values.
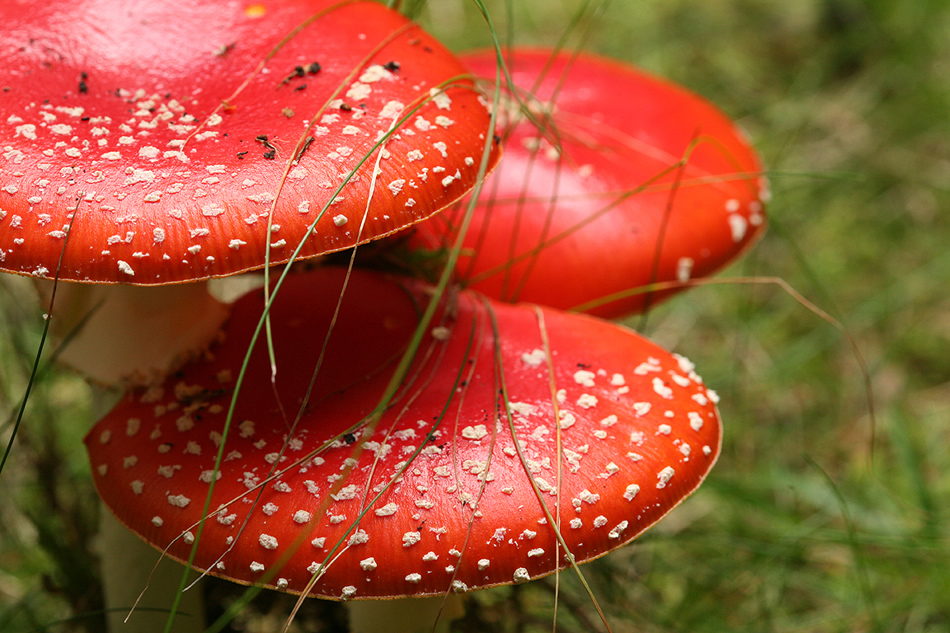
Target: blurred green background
(814, 519)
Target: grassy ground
(815, 519)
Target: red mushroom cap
(436, 496)
(161, 135)
(593, 203)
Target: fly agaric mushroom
(170, 142)
(520, 439)
(592, 202)
(163, 140)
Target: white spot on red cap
(664, 477)
(391, 110)
(207, 475)
(695, 420)
(584, 378)
(387, 510)
(587, 401)
(684, 269)
(395, 187)
(267, 541)
(566, 419)
(358, 91)
(662, 389)
(682, 381)
(441, 100)
(476, 432)
(534, 358)
(27, 131)
(179, 501)
(738, 225)
(631, 492)
(618, 530)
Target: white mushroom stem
(408, 615)
(132, 334)
(126, 565)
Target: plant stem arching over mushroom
(504, 408)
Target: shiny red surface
(164, 137)
(432, 495)
(591, 198)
